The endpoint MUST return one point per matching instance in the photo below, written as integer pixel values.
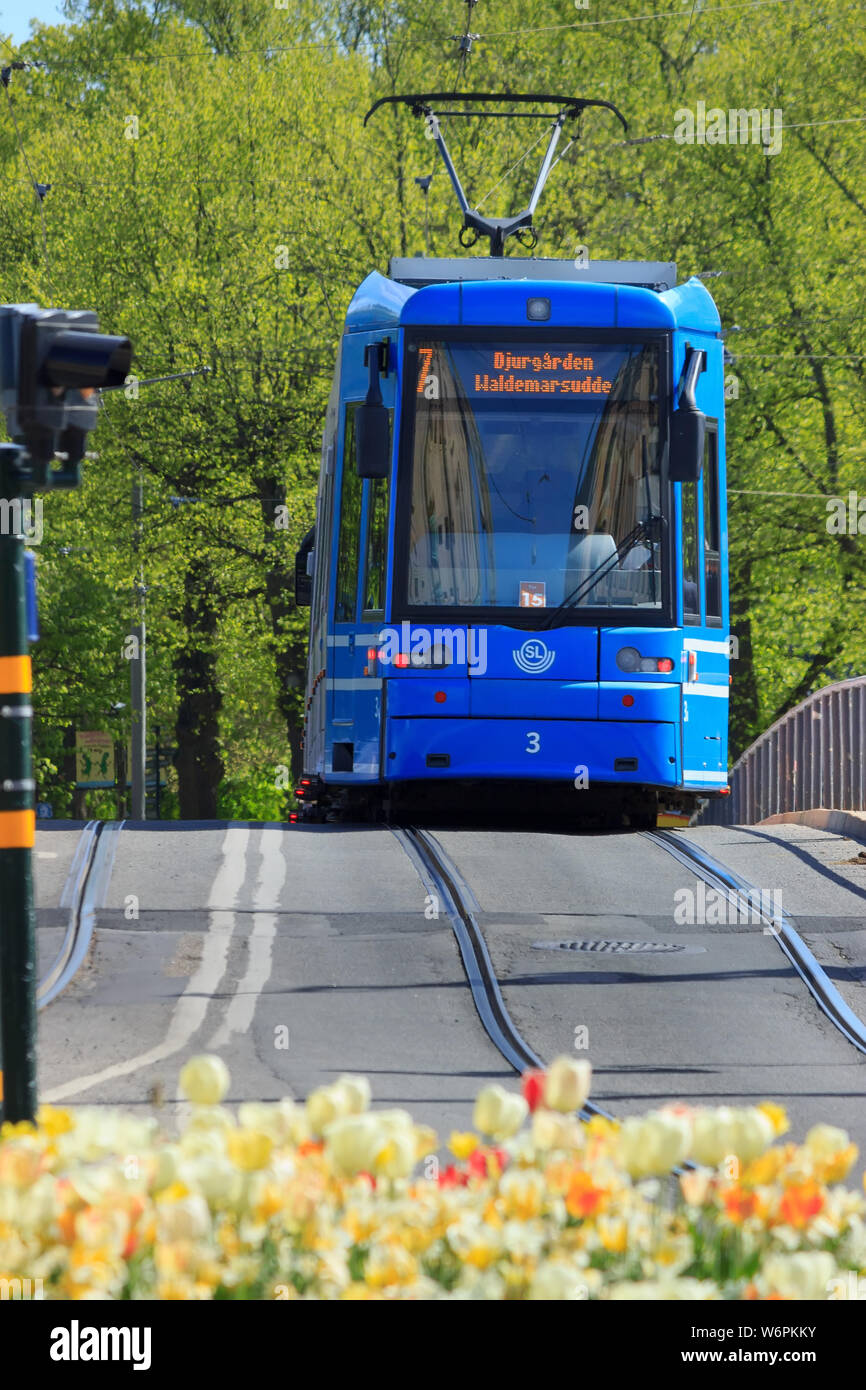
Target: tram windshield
(535, 475)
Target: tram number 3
(534, 741)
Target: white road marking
(273, 869)
(190, 1010)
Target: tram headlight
(628, 659)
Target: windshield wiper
(650, 530)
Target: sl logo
(534, 656)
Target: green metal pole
(17, 807)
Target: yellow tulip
(553, 1130)
(777, 1115)
(826, 1141)
(165, 1168)
(249, 1149)
(462, 1144)
(205, 1080)
(723, 1133)
(187, 1219)
(357, 1090)
(54, 1122)
(499, 1113)
(426, 1140)
(326, 1104)
(396, 1157)
(753, 1133)
(352, 1142)
(807, 1274)
(651, 1145)
(566, 1084)
(523, 1191)
(553, 1281)
(212, 1175)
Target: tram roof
(468, 291)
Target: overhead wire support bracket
(497, 229)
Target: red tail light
(401, 660)
(665, 663)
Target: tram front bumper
(583, 751)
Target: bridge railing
(814, 756)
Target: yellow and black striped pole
(17, 810)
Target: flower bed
(334, 1200)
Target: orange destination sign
(542, 373)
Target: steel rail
(442, 878)
(83, 892)
(813, 975)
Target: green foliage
(215, 196)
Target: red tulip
(532, 1086)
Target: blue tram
(518, 570)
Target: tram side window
(691, 583)
(712, 554)
(350, 528)
(377, 541)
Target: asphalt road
(298, 953)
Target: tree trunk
(199, 765)
(288, 645)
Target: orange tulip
(800, 1202)
(740, 1203)
(583, 1197)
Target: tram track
(442, 878)
(83, 891)
(779, 925)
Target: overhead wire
(194, 51)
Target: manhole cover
(620, 947)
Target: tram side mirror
(304, 570)
(373, 440)
(687, 445)
(688, 425)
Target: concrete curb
(850, 823)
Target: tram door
(705, 687)
(355, 696)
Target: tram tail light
(401, 660)
(665, 664)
